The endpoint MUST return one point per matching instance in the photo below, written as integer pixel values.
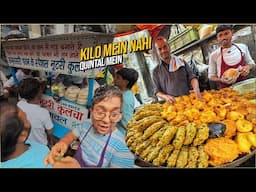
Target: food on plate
(166, 135)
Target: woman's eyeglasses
(113, 116)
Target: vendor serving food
(231, 62)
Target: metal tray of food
(240, 160)
(236, 163)
(246, 86)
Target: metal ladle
(216, 129)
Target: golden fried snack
(221, 111)
(251, 137)
(171, 161)
(180, 117)
(130, 133)
(190, 133)
(163, 155)
(212, 103)
(207, 96)
(153, 128)
(132, 147)
(169, 115)
(144, 114)
(251, 117)
(157, 135)
(243, 125)
(153, 154)
(230, 130)
(221, 150)
(200, 105)
(179, 107)
(179, 138)
(137, 137)
(167, 136)
(201, 135)
(182, 159)
(130, 141)
(193, 155)
(208, 116)
(144, 123)
(142, 146)
(243, 143)
(147, 151)
(231, 73)
(192, 114)
(203, 157)
(150, 107)
(234, 115)
(130, 124)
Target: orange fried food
(230, 128)
(234, 115)
(221, 150)
(243, 143)
(231, 73)
(244, 125)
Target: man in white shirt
(9, 85)
(41, 124)
(229, 55)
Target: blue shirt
(32, 158)
(117, 153)
(127, 110)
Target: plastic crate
(184, 38)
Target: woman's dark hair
(129, 74)
(29, 88)
(105, 91)
(10, 128)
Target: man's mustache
(224, 41)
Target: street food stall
(59, 55)
(219, 131)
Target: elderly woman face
(106, 113)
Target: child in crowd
(125, 78)
(41, 124)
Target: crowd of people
(27, 128)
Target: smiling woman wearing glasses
(101, 144)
